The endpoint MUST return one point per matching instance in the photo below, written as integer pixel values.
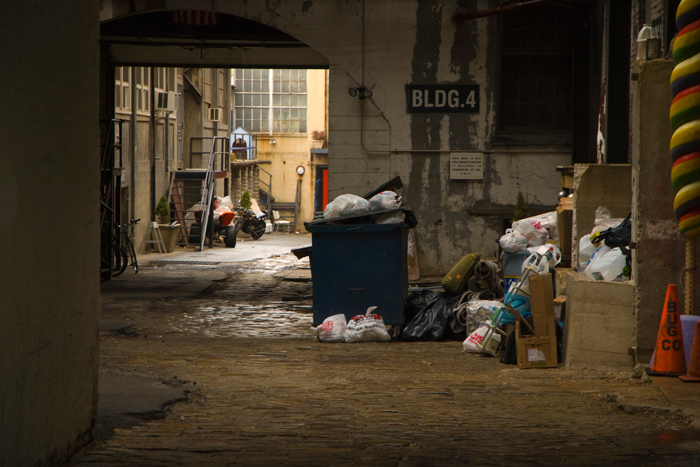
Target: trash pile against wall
(474, 303)
(518, 324)
(604, 254)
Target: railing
(268, 193)
(220, 156)
(109, 196)
(208, 192)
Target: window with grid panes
(143, 89)
(271, 100)
(536, 72)
(122, 87)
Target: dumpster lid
(392, 185)
(366, 218)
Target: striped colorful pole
(685, 142)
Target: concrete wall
(659, 257)
(49, 184)
(373, 140)
(599, 324)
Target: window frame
(122, 88)
(271, 92)
(537, 135)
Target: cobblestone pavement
(262, 391)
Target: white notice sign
(466, 166)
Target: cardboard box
(540, 350)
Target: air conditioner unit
(166, 101)
(215, 114)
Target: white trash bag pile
(361, 328)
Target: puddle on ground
(274, 320)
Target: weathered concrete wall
(596, 185)
(387, 46)
(660, 253)
(50, 262)
(599, 324)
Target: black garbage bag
(619, 236)
(410, 218)
(415, 302)
(432, 323)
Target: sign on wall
(442, 98)
(466, 166)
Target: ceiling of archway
(200, 39)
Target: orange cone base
(669, 354)
(651, 372)
(690, 378)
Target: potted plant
(168, 231)
(246, 203)
(319, 139)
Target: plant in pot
(319, 139)
(169, 232)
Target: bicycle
(123, 252)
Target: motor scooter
(245, 220)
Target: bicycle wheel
(132, 255)
(119, 260)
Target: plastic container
(601, 251)
(585, 251)
(609, 266)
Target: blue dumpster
(355, 266)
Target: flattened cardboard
(540, 350)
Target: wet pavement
(229, 352)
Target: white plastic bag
(585, 251)
(384, 201)
(513, 241)
(366, 328)
(346, 205)
(538, 229)
(479, 311)
(471, 343)
(539, 238)
(332, 329)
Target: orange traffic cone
(693, 375)
(669, 355)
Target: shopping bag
(366, 328)
(332, 329)
(471, 343)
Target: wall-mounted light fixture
(361, 91)
(273, 141)
(648, 45)
(300, 170)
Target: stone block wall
(49, 184)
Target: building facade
(414, 57)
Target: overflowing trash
(475, 302)
(604, 253)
